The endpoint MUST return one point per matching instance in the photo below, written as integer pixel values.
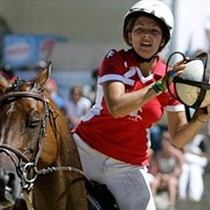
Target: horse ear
(42, 79)
(3, 84)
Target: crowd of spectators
(79, 101)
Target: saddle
(99, 197)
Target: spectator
(77, 106)
(155, 135)
(168, 164)
(89, 90)
(8, 72)
(195, 160)
(52, 88)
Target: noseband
(26, 168)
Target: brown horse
(37, 152)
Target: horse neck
(64, 189)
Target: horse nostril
(8, 182)
(11, 179)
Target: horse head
(23, 118)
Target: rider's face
(146, 36)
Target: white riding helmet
(157, 9)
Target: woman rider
(131, 96)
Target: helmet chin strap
(140, 59)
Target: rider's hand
(177, 70)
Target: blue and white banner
(27, 50)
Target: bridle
(26, 168)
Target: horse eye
(34, 119)
(33, 123)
